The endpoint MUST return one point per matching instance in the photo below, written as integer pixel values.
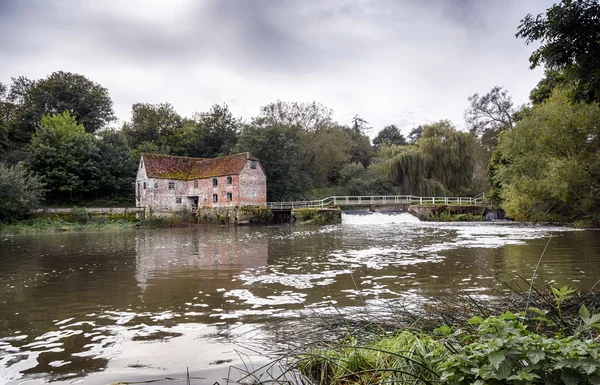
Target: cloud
(403, 62)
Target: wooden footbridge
(380, 200)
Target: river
(135, 305)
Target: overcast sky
(403, 62)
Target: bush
(20, 191)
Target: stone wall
(448, 212)
(235, 215)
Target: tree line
(540, 161)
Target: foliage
(20, 191)
(490, 114)
(543, 90)
(548, 167)
(402, 358)
(116, 164)
(215, 133)
(316, 216)
(152, 123)
(389, 135)
(65, 155)
(415, 134)
(504, 351)
(279, 152)
(569, 38)
(439, 164)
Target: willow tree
(440, 163)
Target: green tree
(389, 135)
(215, 133)
(88, 102)
(65, 156)
(488, 115)
(278, 148)
(415, 134)
(117, 165)
(440, 163)
(152, 123)
(20, 191)
(544, 88)
(569, 38)
(550, 163)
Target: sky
(402, 62)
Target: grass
(58, 225)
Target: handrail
(352, 200)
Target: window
(171, 185)
(196, 184)
(215, 181)
(215, 198)
(229, 180)
(144, 185)
(155, 184)
(142, 164)
(178, 200)
(229, 197)
(253, 164)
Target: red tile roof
(184, 168)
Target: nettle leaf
(571, 377)
(536, 356)
(508, 316)
(496, 358)
(503, 371)
(477, 320)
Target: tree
(389, 135)
(569, 38)
(490, 114)
(544, 88)
(549, 164)
(216, 133)
(88, 102)
(117, 165)
(278, 148)
(440, 163)
(309, 117)
(20, 191)
(415, 134)
(65, 156)
(152, 123)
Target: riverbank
(469, 346)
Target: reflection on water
(116, 306)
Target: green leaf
(571, 377)
(445, 330)
(477, 320)
(584, 313)
(537, 311)
(508, 316)
(536, 356)
(503, 371)
(496, 358)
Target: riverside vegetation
(540, 162)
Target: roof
(184, 168)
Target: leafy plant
(505, 352)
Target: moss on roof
(184, 168)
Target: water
(101, 307)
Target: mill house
(167, 183)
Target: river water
(137, 305)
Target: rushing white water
(378, 218)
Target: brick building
(174, 183)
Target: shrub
(20, 191)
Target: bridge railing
(378, 200)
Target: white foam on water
(378, 218)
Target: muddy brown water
(137, 305)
